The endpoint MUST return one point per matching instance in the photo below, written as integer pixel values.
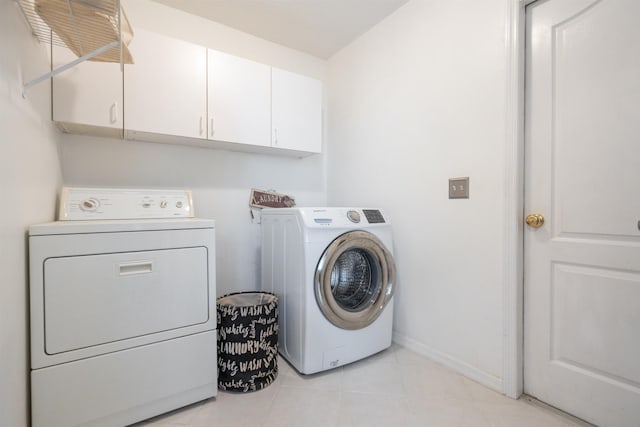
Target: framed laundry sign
(270, 199)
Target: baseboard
(452, 363)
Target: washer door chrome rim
(382, 272)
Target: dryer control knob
(89, 205)
(353, 216)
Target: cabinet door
(87, 98)
(296, 111)
(239, 100)
(165, 89)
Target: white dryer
(334, 272)
(123, 316)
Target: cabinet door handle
(114, 112)
(201, 129)
(275, 136)
(211, 131)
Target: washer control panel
(334, 217)
(110, 203)
(374, 216)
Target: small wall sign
(270, 199)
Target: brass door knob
(535, 220)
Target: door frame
(513, 272)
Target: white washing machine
(123, 315)
(334, 273)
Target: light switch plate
(459, 188)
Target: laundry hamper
(247, 341)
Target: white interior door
(582, 173)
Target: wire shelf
(95, 30)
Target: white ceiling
(318, 27)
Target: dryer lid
(118, 226)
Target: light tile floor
(396, 387)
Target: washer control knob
(179, 204)
(163, 204)
(89, 205)
(353, 216)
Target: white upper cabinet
(296, 111)
(87, 98)
(165, 89)
(239, 100)
(183, 93)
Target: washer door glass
(354, 280)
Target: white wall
(417, 100)
(221, 180)
(29, 178)
(152, 16)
